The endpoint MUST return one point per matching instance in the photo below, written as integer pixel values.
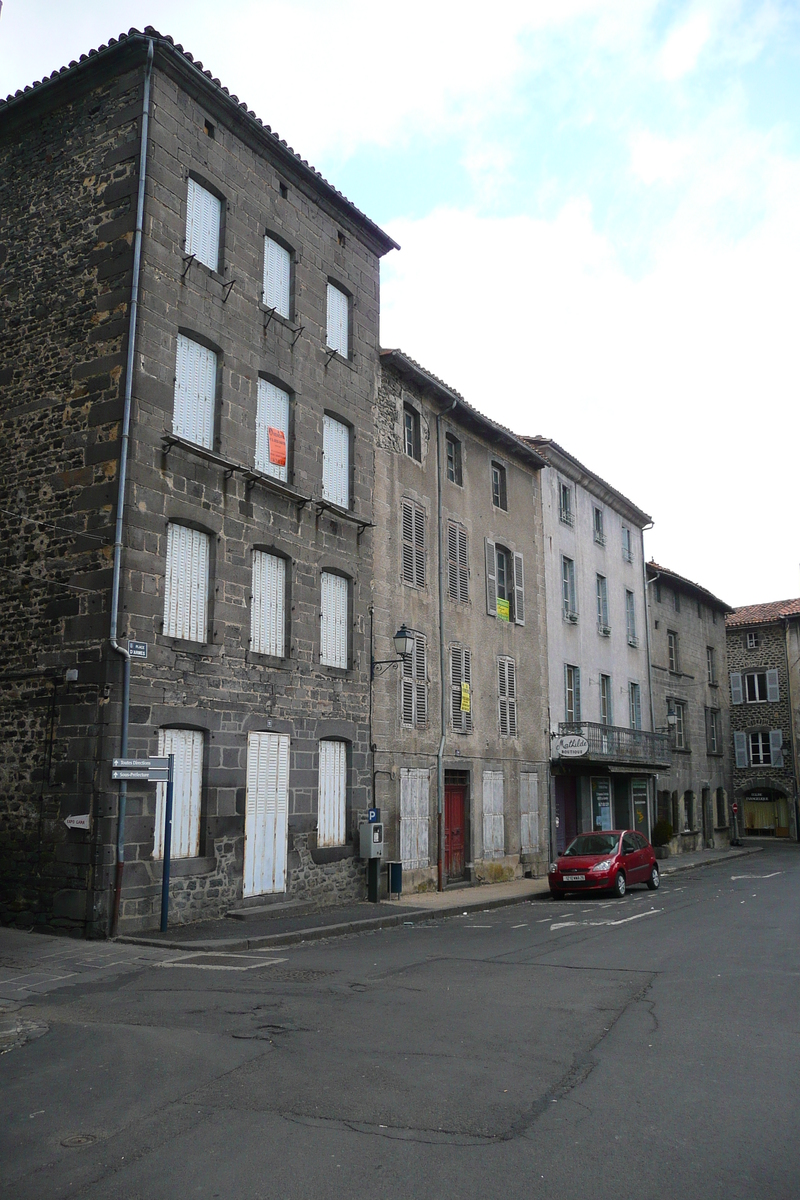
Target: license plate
(574, 879)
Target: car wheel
(619, 884)
(655, 878)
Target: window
(606, 701)
(332, 793)
(755, 687)
(336, 462)
(203, 225)
(672, 651)
(507, 696)
(630, 618)
(572, 694)
(505, 584)
(494, 839)
(461, 688)
(760, 749)
(277, 292)
(453, 459)
(195, 389)
(751, 640)
(412, 440)
(699, 610)
(338, 321)
(627, 544)
(267, 610)
(711, 666)
(565, 512)
(688, 810)
(599, 531)
(679, 711)
(334, 628)
(187, 746)
(414, 817)
(413, 544)
(676, 600)
(457, 563)
(713, 732)
(602, 605)
(414, 686)
(499, 494)
(568, 597)
(186, 584)
(635, 705)
(272, 430)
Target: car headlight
(553, 868)
(602, 866)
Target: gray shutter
(419, 546)
(502, 695)
(456, 678)
(776, 747)
(737, 696)
(408, 542)
(519, 590)
(576, 676)
(773, 690)
(491, 578)
(511, 684)
(421, 682)
(452, 560)
(740, 748)
(407, 690)
(463, 567)
(467, 654)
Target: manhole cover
(79, 1139)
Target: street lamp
(403, 644)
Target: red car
(606, 860)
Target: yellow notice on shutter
(503, 611)
(465, 702)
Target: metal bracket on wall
(329, 355)
(268, 315)
(296, 337)
(227, 289)
(187, 262)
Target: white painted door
(266, 813)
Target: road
(644, 1047)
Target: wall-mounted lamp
(403, 644)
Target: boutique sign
(572, 745)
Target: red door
(454, 800)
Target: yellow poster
(503, 610)
(465, 697)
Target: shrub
(662, 833)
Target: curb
(713, 862)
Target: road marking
(479, 927)
(524, 926)
(253, 965)
(623, 921)
(770, 876)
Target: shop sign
(572, 745)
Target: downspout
(440, 752)
(123, 471)
(653, 811)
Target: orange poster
(277, 447)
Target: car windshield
(594, 843)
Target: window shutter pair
(332, 793)
(267, 608)
(518, 583)
(414, 817)
(334, 621)
(493, 815)
(414, 685)
(203, 221)
(507, 696)
(277, 277)
(272, 416)
(529, 811)
(187, 746)
(457, 563)
(186, 584)
(461, 688)
(195, 388)
(335, 462)
(413, 544)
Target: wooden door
(781, 817)
(455, 796)
(266, 813)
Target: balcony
(613, 744)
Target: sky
(598, 204)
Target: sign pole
(167, 846)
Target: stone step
(281, 908)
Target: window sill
(184, 646)
(181, 868)
(713, 683)
(337, 672)
(321, 855)
(682, 749)
(332, 355)
(498, 507)
(272, 661)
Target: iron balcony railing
(612, 743)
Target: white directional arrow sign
(78, 822)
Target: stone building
(690, 697)
(606, 753)
(764, 672)
(460, 724)
(189, 324)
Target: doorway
(456, 790)
(566, 810)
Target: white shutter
(491, 578)
(336, 462)
(187, 746)
(740, 748)
(332, 795)
(186, 584)
(773, 690)
(272, 412)
(338, 313)
(277, 277)
(493, 820)
(203, 218)
(414, 817)
(737, 696)
(266, 813)
(519, 590)
(529, 811)
(776, 747)
(334, 623)
(267, 608)
(195, 388)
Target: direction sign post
(155, 769)
(167, 844)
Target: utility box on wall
(371, 840)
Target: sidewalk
(264, 931)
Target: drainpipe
(649, 664)
(123, 471)
(440, 752)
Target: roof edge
(655, 570)
(543, 445)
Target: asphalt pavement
(643, 1047)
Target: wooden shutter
(277, 277)
(511, 684)
(336, 462)
(267, 608)
(203, 219)
(460, 674)
(502, 697)
(519, 590)
(419, 546)
(332, 793)
(195, 388)
(773, 689)
(420, 682)
(737, 696)
(187, 746)
(186, 584)
(414, 817)
(463, 566)
(576, 685)
(493, 818)
(334, 621)
(467, 661)
(338, 332)
(491, 578)
(776, 747)
(266, 813)
(272, 412)
(740, 748)
(452, 560)
(529, 811)
(407, 691)
(408, 541)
